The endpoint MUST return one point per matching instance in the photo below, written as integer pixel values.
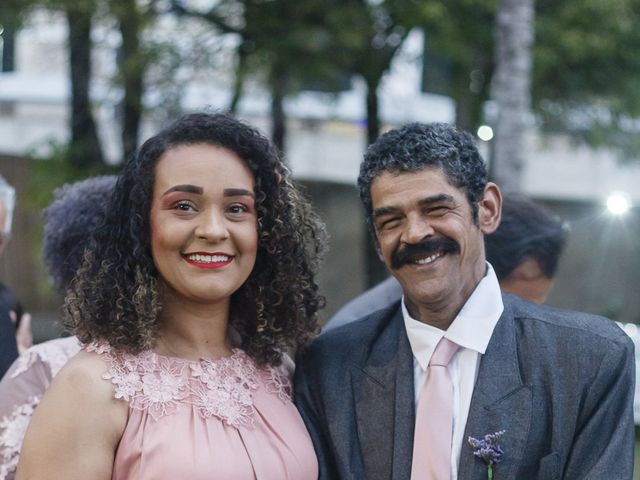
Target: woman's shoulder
(83, 372)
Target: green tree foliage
(585, 65)
(459, 38)
(282, 42)
(364, 37)
(134, 57)
(83, 151)
(586, 70)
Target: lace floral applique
(225, 389)
(54, 353)
(222, 388)
(12, 430)
(277, 382)
(146, 381)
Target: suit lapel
(500, 401)
(404, 408)
(383, 395)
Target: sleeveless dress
(210, 419)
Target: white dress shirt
(471, 329)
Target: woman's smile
(208, 260)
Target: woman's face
(204, 229)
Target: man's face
(528, 281)
(428, 239)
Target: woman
(188, 297)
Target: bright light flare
(485, 133)
(618, 203)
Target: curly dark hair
(527, 230)
(76, 210)
(417, 146)
(116, 297)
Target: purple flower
(488, 449)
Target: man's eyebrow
(379, 212)
(185, 188)
(238, 192)
(441, 197)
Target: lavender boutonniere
(488, 449)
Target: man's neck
(437, 315)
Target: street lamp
(618, 203)
(485, 133)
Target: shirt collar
(472, 328)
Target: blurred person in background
(15, 331)
(77, 209)
(188, 298)
(524, 252)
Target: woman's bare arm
(76, 428)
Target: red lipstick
(208, 260)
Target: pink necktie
(434, 418)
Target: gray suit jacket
(560, 383)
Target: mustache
(408, 253)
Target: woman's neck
(192, 331)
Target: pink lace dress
(21, 390)
(209, 419)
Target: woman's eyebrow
(238, 192)
(185, 188)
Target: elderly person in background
(8, 345)
(77, 209)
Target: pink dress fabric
(21, 389)
(210, 419)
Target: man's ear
(490, 209)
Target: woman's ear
(490, 209)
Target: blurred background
(550, 89)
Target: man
(555, 387)
(524, 252)
(8, 346)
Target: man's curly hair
(417, 146)
(115, 296)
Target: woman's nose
(212, 227)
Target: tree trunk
(8, 48)
(238, 81)
(278, 118)
(469, 88)
(132, 69)
(373, 115)
(84, 147)
(376, 272)
(512, 89)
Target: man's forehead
(427, 180)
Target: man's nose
(416, 229)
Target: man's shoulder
(377, 298)
(351, 340)
(542, 319)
